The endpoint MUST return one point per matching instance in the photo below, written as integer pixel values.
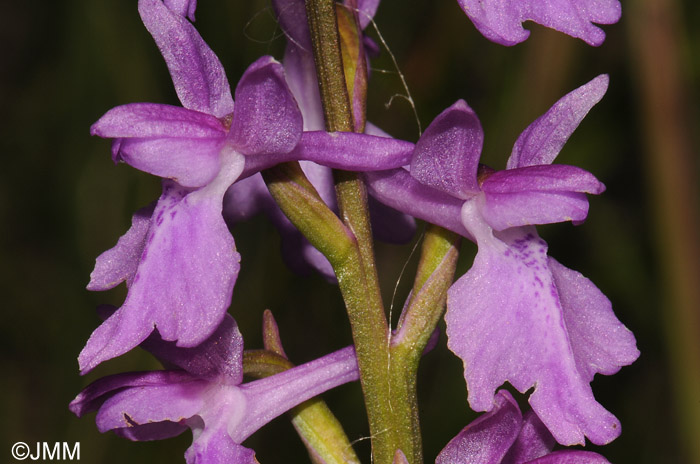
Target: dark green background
(62, 202)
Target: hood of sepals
(447, 154)
(267, 119)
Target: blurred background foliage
(62, 202)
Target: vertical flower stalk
(390, 416)
(418, 320)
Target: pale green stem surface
(435, 273)
(389, 414)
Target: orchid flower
(503, 436)
(250, 197)
(518, 315)
(179, 259)
(501, 20)
(204, 392)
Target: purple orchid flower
(179, 259)
(518, 315)
(501, 20)
(503, 436)
(204, 392)
(250, 197)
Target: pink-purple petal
(537, 195)
(397, 189)
(352, 151)
(487, 439)
(156, 120)
(246, 198)
(217, 447)
(174, 401)
(199, 78)
(340, 150)
(190, 267)
(366, 11)
(118, 334)
(505, 210)
(501, 20)
(187, 161)
(505, 321)
(555, 177)
(542, 141)
(267, 119)
(601, 343)
(269, 397)
(291, 16)
(151, 431)
(185, 8)
(300, 71)
(534, 441)
(571, 457)
(99, 391)
(119, 264)
(400, 458)
(184, 280)
(447, 155)
(219, 356)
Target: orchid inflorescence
(290, 142)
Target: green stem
(301, 204)
(435, 273)
(390, 416)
